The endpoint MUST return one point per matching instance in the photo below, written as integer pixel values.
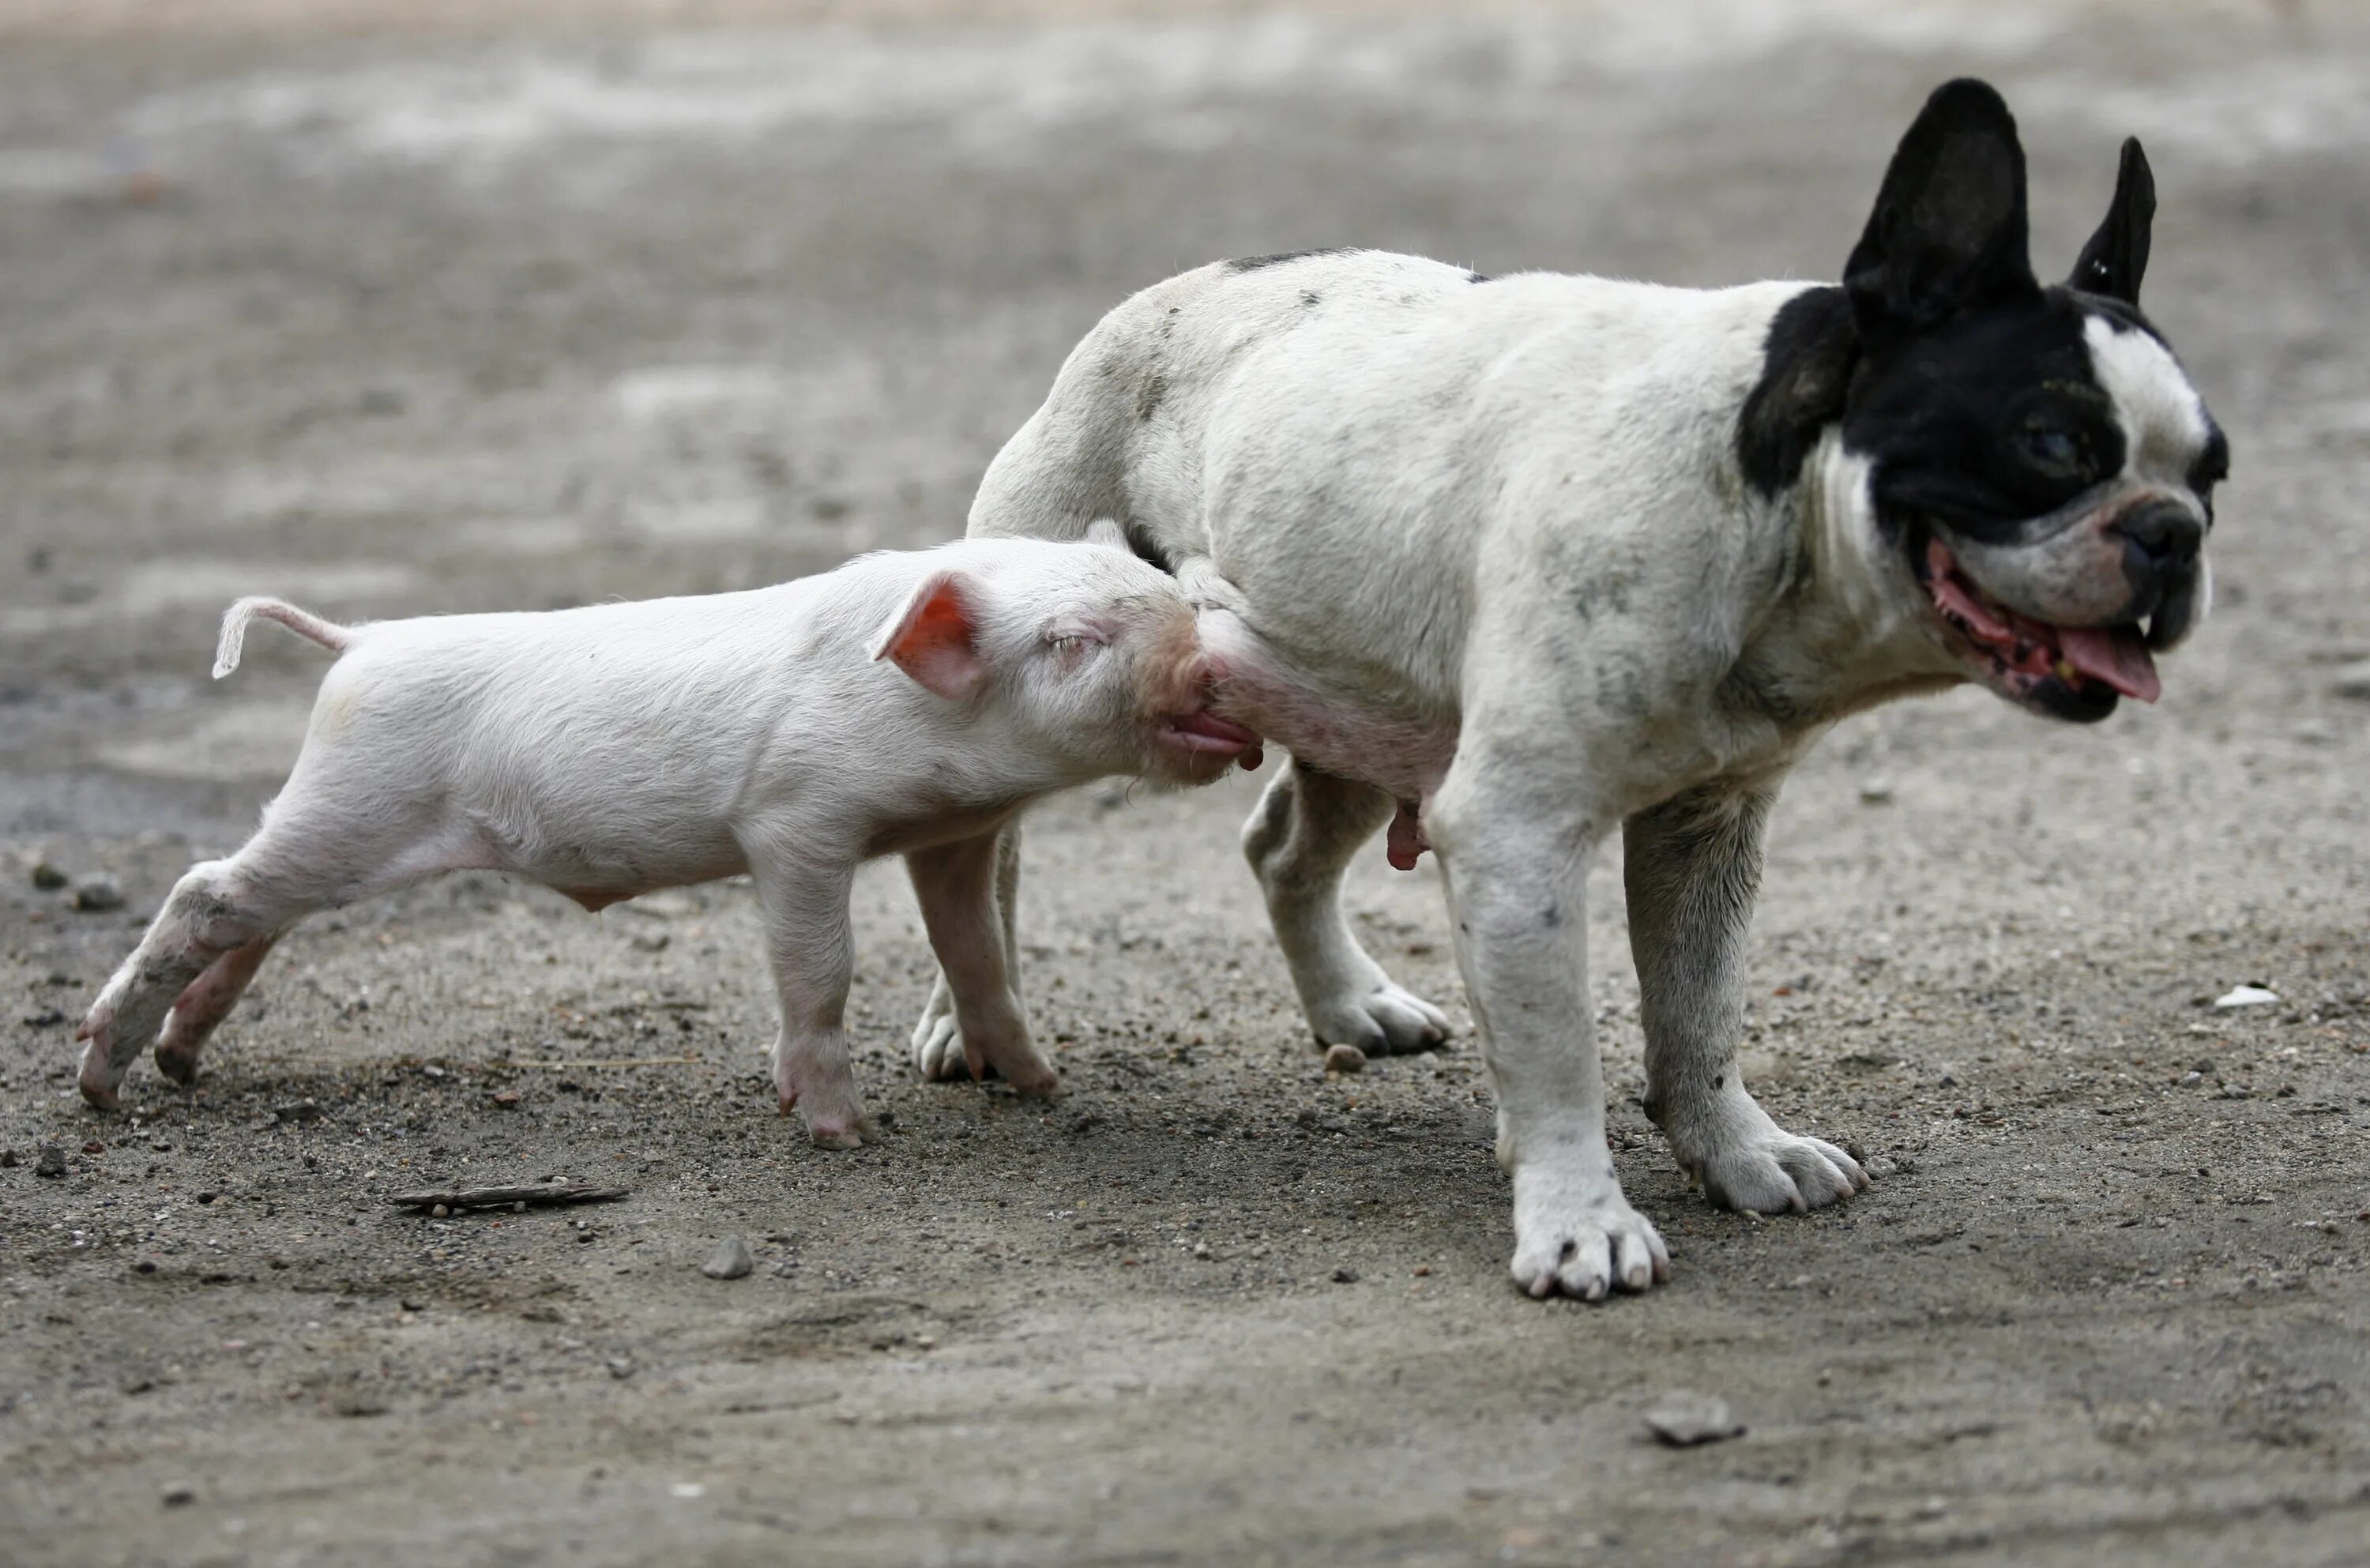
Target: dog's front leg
(1693, 865)
(1515, 858)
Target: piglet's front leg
(955, 886)
(813, 956)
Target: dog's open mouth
(2077, 670)
(1206, 734)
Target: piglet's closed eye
(933, 638)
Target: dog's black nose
(2162, 534)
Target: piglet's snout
(1183, 685)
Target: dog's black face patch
(2035, 455)
(1806, 369)
(1989, 426)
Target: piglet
(907, 703)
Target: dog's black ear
(2113, 263)
(1948, 235)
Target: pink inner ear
(936, 644)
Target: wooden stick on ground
(507, 1197)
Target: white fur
(618, 748)
(1484, 552)
(2160, 412)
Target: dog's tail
(303, 623)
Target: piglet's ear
(934, 637)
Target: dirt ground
(402, 319)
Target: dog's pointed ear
(1948, 235)
(2117, 256)
(934, 636)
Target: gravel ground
(398, 320)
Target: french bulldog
(907, 703)
(1510, 563)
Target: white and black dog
(1507, 563)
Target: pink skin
(328, 844)
(2016, 652)
(1406, 842)
(202, 1004)
(1336, 734)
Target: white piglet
(907, 703)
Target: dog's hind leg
(1300, 840)
(1693, 868)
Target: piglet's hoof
(97, 1079)
(98, 1092)
(1043, 1085)
(863, 1131)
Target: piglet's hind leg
(203, 1003)
(214, 909)
(314, 853)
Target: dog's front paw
(1583, 1238)
(1744, 1161)
(1381, 1019)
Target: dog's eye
(2053, 447)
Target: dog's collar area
(2073, 672)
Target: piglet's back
(560, 708)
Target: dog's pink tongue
(2117, 655)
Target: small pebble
(1345, 1276)
(51, 1163)
(97, 896)
(620, 1368)
(506, 1098)
(10, 1159)
(1876, 792)
(1344, 1059)
(440, 1212)
(2353, 680)
(48, 877)
(731, 1260)
(303, 1111)
(1683, 1420)
(180, 1496)
(652, 941)
(2246, 997)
